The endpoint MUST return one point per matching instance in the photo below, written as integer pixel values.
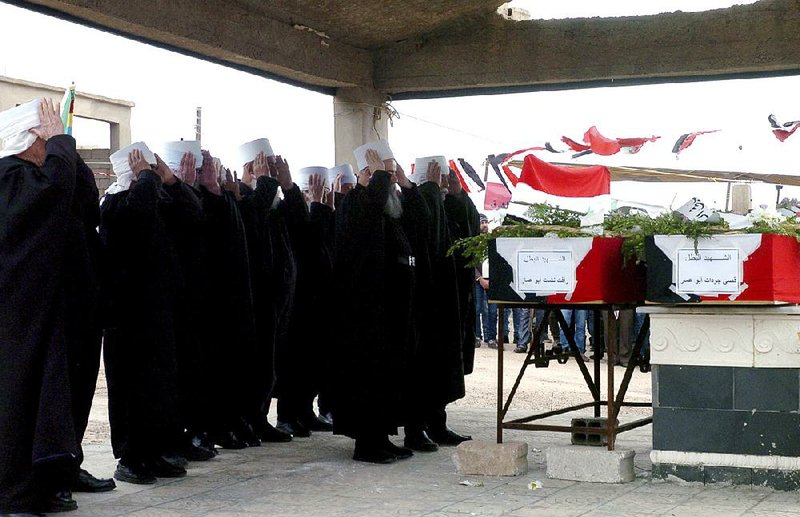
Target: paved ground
(315, 476)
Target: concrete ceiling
(416, 48)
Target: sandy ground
(541, 389)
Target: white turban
(119, 160)
(15, 126)
(122, 184)
(345, 171)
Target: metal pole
(501, 324)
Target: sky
(237, 107)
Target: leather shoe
(295, 428)
(448, 437)
(268, 433)
(176, 460)
(246, 434)
(313, 423)
(194, 450)
(162, 468)
(372, 453)
(401, 453)
(419, 441)
(521, 349)
(61, 501)
(135, 473)
(228, 440)
(86, 482)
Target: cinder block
(491, 459)
(576, 463)
(590, 438)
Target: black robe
(184, 223)
(140, 338)
(440, 359)
(374, 278)
(229, 327)
(35, 417)
(464, 221)
(84, 329)
(256, 211)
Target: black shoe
(229, 440)
(58, 502)
(206, 442)
(313, 423)
(521, 349)
(295, 428)
(448, 437)
(135, 473)
(326, 417)
(176, 460)
(268, 433)
(246, 434)
(419, 441)
(401, 453)
(86, 482)
(194, 450)
(161, 468)
(372, 453)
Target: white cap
(346, 171)
(381, 146)
(420, 174)
(15, 126)
(172, 152)
(119, 160)
(304, 175)
(249, 151)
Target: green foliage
(786, 226)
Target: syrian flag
(687, 139)
(470, 181)
(574, 188)
(785, 130)
(494, 162)
(595, 142)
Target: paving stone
(580, 463)
(491, 459)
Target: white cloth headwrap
(119, 160)
(15, 126)
(122, 184)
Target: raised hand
(232, 185)
(208, 174)
(453, 185)
(374, 161)
(164, 172)
(434, 172)
(284, 174)
(316, 188)
(260, 166)
(402, 179)
(247, 174)
(49, 120)
(188, 168)
(273, 167)
(137, 162)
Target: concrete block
(577, 463)
(491, 459)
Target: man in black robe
(271, 285)
(438, 363)
(37, 435)
(374, 274)
(84, 330)
(308, 352)
(140, 338)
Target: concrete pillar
(356, 122)
(120, 136)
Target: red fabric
(455, 169)
(513, 178)
(783, 134)
(689, 140)
(600, 144)
(497, 196)
(575, 146)
(771, 272)
(565, 181)
(603, 276)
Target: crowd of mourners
(209, 292)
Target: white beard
(393, 207)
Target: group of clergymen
(212, 295)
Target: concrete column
(120, 136)
(356, 122)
